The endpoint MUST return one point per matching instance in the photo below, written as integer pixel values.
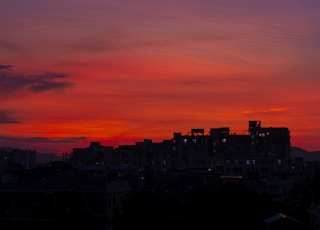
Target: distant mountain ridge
(306, 155)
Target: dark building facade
(11, 158)
(262, 155)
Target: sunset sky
(76, 71)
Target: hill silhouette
(306, 155)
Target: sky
(118, 72)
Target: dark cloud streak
(55, 140)
(45, 86)
(10, 83)
(6, 67)
(6, 117)
(33, 140)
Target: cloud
(7, 67)
(55, 140)
(6, 117)
(266, 111)
(10, 83)
(37, 140)
(48, 85)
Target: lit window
(224, 140)
(248, 162)
(279, 161)
(185, 140)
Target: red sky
(77, 71)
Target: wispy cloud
(54, 140)
(45, 85)
(11, 82)
(7, 67)
(37, 140)
(6, 117)
(265, 111)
